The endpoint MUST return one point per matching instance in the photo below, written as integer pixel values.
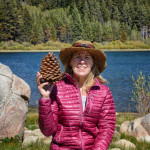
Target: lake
(120, 68)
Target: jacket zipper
(81, 123)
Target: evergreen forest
(38, 21)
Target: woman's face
(81, 64)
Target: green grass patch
(18, 146)
(32, 123)
(126, 116)
(56, 45)
(32, 119)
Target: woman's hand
(44, 88)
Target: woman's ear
(70, 64)
(93, 67)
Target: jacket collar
(69, 77)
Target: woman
(78, 111)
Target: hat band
(83, 45)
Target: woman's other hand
(44, 88)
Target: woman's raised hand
(44, 88)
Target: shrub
(141, 93)
(5, 47)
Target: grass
(123, 45)
(50, 45)
(56, 45)
(32, 119)
(126, 116)
(32, 123)
(18, 146)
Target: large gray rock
(146, 123)
(35, 136)
(14, 98)
(140, 128)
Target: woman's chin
(81, 75)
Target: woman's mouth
(81, 67)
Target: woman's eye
(87, 57)
(77, 56)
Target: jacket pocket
(91, 104)
(60, 135)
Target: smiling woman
(78, 110)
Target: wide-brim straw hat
(99, 57)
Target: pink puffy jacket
(62, 116)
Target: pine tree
(64, 3)
(132, 13)
(61, 33)
(105, 12)
(135, 35)
(95, 11)
(72, 5)
(37, 35)
(110, 5)
(123, 33)
(53, 32)
(135, 27)
(9, 20)
(107, 31)
(126, 13)
(87, 30)
(3, 34)
(84, 9)
(106, 15)
(49, 30)
(97, 32)
(27, 25)
(92, 10)
(116, 14)
(142, 13)
(76, 25)
(46, 4)
(115, 30)
(119, 4)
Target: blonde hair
(90, 79)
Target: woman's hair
(90, 79)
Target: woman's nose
(82, 60)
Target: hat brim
(98, 55)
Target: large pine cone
(50, 69)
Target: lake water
(120, 68)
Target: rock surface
(29, 140)
(146, 123)
(125, 143)
(35, 136)
(140, 128)
(14, 98)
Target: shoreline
(105, 50)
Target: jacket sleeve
(48, 114)
(106, 124)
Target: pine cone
(50, 69)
